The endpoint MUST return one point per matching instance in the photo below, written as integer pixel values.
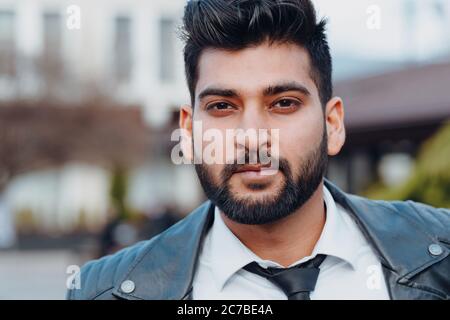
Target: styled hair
(239, 24)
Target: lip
(256, 173)
(254, 168)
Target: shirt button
(127, 286)
(435, 249)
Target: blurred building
(126, 52)
(127, 49)
(387, 118)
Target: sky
(378, 34)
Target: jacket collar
(166, 269)
(399, 243)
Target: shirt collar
(228, 254)
(340, 236)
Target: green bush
(430, 181)
(118, 192)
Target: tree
(430, 181)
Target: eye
(287, 103)
(219, 106)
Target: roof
(405, 98)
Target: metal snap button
(435, 249)
(127, 286)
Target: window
(52, 34)
(52, 63)
(166, 45)
(122, 49)
(7, 44)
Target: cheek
(210, 147)
(215, 171)
(219, 141)
(300, 136)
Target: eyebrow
(229, 93)
(283, 87)
(269, 91)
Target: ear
(334, 119)
(186, 129)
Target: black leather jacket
(412, 241)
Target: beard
(295, 191)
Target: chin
(264, 184)
(256, 192)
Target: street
(35, 274)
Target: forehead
(252, 69)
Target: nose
(252, 135)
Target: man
(286, 235)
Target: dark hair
(239, 24)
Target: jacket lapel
(166, 270)
(400, 244)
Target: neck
(286, 240)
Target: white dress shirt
(350, 271)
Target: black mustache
(254, 155)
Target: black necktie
(297, 281)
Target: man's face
(262, 87)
